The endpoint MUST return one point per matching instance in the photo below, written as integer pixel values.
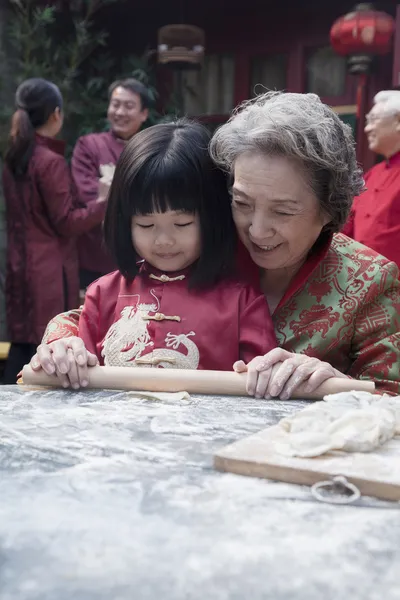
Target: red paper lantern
(361, 34)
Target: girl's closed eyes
(167, 240)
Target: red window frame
(296, 73)
(349, 95)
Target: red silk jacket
(375, 216)
(155, 320)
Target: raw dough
(349, 421)
(163, 396)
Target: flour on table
(168, 397)
(162, 396)
(349, 421)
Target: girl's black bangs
(163, 188)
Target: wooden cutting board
(374, 473)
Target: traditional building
(260, 44)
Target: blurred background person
(375, 217)
(43, 217)
(95, 156)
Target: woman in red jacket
(43, 218)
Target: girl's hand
(68, 359)
(279, 373)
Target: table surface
(105, 496)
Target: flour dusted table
(107, 497)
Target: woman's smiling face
(277, 215)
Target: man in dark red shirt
(95, 156)
(375, 218)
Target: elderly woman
(335, 303)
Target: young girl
(179, 306)
(43, 216)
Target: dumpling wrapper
(363, 430)
(304, 444)
(162, 396)
(352, 422)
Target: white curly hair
(389, 100)
(301, 128)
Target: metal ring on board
(341, 486)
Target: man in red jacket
(375, 218)
(95, 156)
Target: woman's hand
(279, 373)
(68, 359)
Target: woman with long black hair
(44, 217)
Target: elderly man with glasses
(375, 219)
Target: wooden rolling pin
(184, 380)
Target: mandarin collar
(53, 144)
(117, 139)
(148, 270)
(316, 255)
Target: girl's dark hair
(36, 100)
(168, 167)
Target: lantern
(362, 34)
(181, 46)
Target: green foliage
(62, 43)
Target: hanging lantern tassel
(361, 112)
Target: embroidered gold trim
(161, 317)
(154, 361)
(164, 278)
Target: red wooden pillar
(362, 95)
(295, 78)
(242, 77)
(396, 51)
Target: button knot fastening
(161, 317)
(164, 278)
(154, 361)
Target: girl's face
(169, 241)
